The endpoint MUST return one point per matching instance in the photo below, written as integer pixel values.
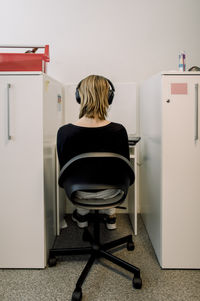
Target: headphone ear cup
(77, 95)
(110, 96)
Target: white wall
(125, 40)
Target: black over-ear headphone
(110, 92)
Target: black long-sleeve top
(73, 140)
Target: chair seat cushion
(102, 194)
(96, 203)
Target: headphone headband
(110, 92)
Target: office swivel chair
(95, 172)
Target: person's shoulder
(117, 126)
(65, 128)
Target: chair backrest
(97, 171)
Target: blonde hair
(93, 92)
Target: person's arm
(59, 146)
(124, 146)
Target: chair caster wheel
(52, 261)
(137, 283)
(130, 246)
(77, 295)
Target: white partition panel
(124, 107)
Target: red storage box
(24, 61)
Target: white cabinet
(170, 167)
(31, 111)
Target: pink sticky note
(179, 88)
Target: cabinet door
(21, 172)
(181, 172)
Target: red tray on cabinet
(27, 61)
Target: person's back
(92, 133)
(74, 140)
